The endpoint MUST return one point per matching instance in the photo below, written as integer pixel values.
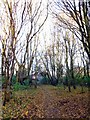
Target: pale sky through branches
(17, 7)
(45, 33)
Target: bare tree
(34, 12)
(18, 32)
(77, 12)
(70, 54)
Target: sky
(46, 31)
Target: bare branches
(22, 19)
(77, 13)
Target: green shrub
(17, 86)
(86, 80)
(14, 79)
(26, 81)
(3, 79)
(82, 79)
(78, 79)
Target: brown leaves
(46, 103)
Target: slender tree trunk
(6, 96)
(2, 66)
(88, 70)
(67, 67)
(72, 72)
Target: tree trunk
(67, 67)
(69, 88)
(72, 72)
(87, 65)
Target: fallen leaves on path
(47, 102)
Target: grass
(59, 91)
(19, 103)
(23, 99)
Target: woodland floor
(47, 102)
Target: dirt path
(47, 102)
(50, 105)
